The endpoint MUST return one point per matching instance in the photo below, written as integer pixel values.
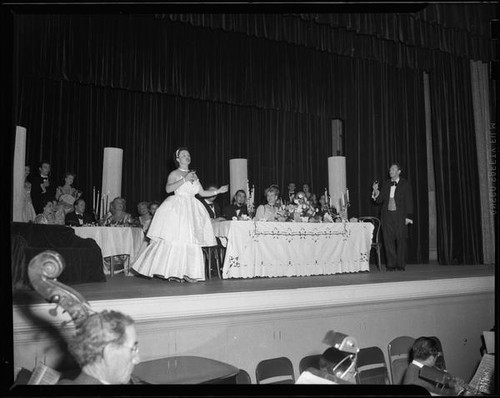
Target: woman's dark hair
(236, 193)
(154, 202)
(424, 347)
(46, 201)
(177, 152)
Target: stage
(242, 321)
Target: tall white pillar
(112, 173)
(336, 179)
(18, 174)
(238, 175)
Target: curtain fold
(455, 163)
(485, 163)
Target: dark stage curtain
(455, 163)
(149, 85)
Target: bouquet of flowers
(250, 200)
(299, 210)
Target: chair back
(376, 223)
(371, 366)
(440, 362)
(243, 377)
(275, 371)
(399, 357)
(310, 361)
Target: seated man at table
(212, 207)
(79, 216)
(106, 348)
(238, 208)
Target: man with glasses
(106, 348)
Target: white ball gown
(179, 229)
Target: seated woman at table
(311, 197)
(238, 207)
(268, 212)
(47, 216)
(66, 194)
(145, 216)
(117, 214)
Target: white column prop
(238, 175)
(112, 173)
(336, 180)
(18, 175)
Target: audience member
(310, 196)
(238, 207)
(41, 187)
(28, 212)
(59, 213)
(211, 205)
(153, 206)
(117, 214)
(291, 193)
(106, 348)
(145, 216)
(268, 212)
(47, 214)
(425, 353)
(66, 194)
(79, 216)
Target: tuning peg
(53, 311)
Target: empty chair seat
(243, 377)
(371, 366)
(310, 361)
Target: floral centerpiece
(299, 210)
(250, 201)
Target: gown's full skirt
(179, 229)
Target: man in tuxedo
(238, 208)
(41, 186)
(212, 207)
(79, 216)
(425, 353)
(291, 193)
(397, 208)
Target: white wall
(242, 328)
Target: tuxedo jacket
(412, 376)
(72, 219)
(230, 211)
(212, 213)
(402, 196)
(37, 195)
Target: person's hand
(408, 221)
(375, 186)
(458, 385)
(223, 189)
(191, 176)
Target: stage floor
(123, 287)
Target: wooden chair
(275, 371)
(310, 361)
(371, 366)
(399, 357)
(212, 253)
(375, 241)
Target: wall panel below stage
(246, 327)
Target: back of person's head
(97, 331)
(336, 362)
(424, 347)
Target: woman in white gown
(179, 229)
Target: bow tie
(79, 215)
(395, 183)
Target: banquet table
(272, 249)
(114, 241)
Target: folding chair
(275, 371)
(371, 366)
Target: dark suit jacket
(230, 211)
(412, 377)
(37, 196)
(402, 196)
(72, 219)
(211, 213)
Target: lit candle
(93, 199)
(102, 206)
(97, 202)
(342, 199)
(347, 193)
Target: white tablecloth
(257, 248)
(114, 240)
